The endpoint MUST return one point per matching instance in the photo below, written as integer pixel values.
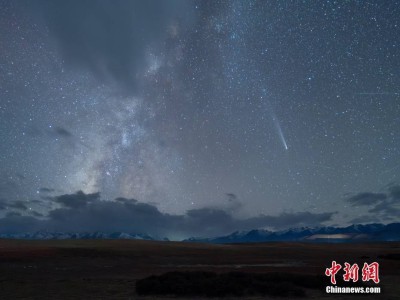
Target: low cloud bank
(82, 212)
(381, 207)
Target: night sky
(180, 118)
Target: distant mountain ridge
(43, 235)
(353, 233)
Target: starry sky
(268, 113)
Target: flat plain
(108, 269)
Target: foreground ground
(108, 269)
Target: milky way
(288, 106)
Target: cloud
(19, 205)
(366, 198)
(13, 214)
(35, 213)
(234, 203)
(125, 200)
(80, 212)
(382, 206)
(65, 135)
(110, 37)
(290, 220)
(231, 196)
(394, 192)
(364, 219)
(46, 190)
(3, 204)
(77, 200)
(52, 131)
(62, 132)
(387, 210)
(13, 223)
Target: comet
(280, 132)
(274, 119)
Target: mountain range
(43, 235)
(353, 233)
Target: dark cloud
(366, 220)
(394, 192)
(107, 37)
(13, 214)
(111, 216)
(18, 224)
(62, 132)
(3, 204)
(36, 214)
(77, 200)
(54, 132)
(21, 205)
(86, 212)
(382, 206)
(36, 201)
(231, 196)
(125, 200)
(366, 198)
(234, 203)
(44, 199)
(18, 204)
(46, 190)
(389, 209)
(57, 133)
(285, 220)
